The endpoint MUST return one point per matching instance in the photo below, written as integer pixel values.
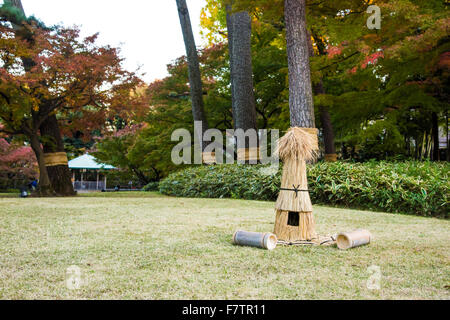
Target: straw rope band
(295, 189)
(55, 159)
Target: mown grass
(148, 246)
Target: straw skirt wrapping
(294, 174)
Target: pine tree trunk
(300, 89)
(195, 80)
(230, 52)
(239, 27)
(59, 175)
(245, 109)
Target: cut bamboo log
(254, 239)
(347, 240)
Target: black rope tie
(295, 189)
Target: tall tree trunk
(435, 132)
(230, 52)
(53, 143)
(239, 27)
(242, 77)
(300, 89)
(195, 80)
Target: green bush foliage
(152, 186)
(420, 188)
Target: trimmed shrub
(152, 186)
(420, 188)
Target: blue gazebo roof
(88, 162)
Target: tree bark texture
(230, 52)
(59, 175)
(242, 72)
(195, 80)
(300, 89)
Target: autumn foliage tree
(69, 77)
(17, 162)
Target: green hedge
(420, 188)
(152, 186)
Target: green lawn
(147, 246)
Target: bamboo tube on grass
(254, 239)
(347, 240)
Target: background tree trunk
(239, 27)
(300, 89)
(242, 72)
(230, 52)
(325, 119)
(195, 80)
(60, 177)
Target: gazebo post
(105, 183)
(97, 180)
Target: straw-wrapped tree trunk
(243, 99)
(195, 80)
(294, 217)
(56, 158)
